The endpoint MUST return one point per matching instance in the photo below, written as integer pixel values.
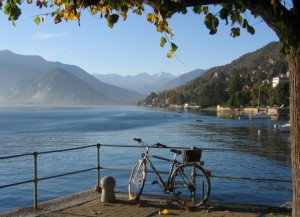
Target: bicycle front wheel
(190, 185)
(137, 181)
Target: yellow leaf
(105, 10)
(94, 10)
(164, 24)
(170, 54)
(73, 16)
(124, 16)
(151, 18)
(131, 196)
(57, 2)
(159, 28)
(37, 20)
(163, 212)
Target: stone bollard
(108, 184)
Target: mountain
(184, 78)
(142, 82)
(17, 70)
(51, 88)
(145, 83)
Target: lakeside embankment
(278, 111)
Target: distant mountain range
(32, 79)
(145, 83)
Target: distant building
(283, 79)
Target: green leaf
(197, 9)
(12, 10)
(211, 23)
(163, 41)
(207, 20)
(251, 30)
(205, 10)
(223, 13)
(235, 32)
(245, 23)
(112, 20)
(174, 47)
(37, 20)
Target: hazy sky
(131, 47)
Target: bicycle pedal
(154, 182)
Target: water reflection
(257, 137)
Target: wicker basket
(191, 155)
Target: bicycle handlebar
(157, 145)
(138, 140)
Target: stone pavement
(87, 204)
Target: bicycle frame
(184, 178)
(174, 165)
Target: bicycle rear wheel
(137, 181)
(190, 185)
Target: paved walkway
(87, 204)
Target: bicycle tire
(137, 181)
(190, 185)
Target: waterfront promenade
(88, 204)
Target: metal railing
(36, 179)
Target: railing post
(35, 179)
(98, 165)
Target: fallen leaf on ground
(163, 212)
(97, 189)
(95, 212)
(131, 196)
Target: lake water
(241, 152)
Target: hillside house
(283, 79)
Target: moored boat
(283, 127)
(260, 116)
(243, 116)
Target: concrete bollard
(108, 184)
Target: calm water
(29, 129)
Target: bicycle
(188, 181)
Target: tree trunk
(294, 68)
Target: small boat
(243, 116)
(260, 116)
(198, 120)
(283, 127)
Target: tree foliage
(233, 12)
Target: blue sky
(131, 47)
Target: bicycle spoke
(136, 181)
(191, 185)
